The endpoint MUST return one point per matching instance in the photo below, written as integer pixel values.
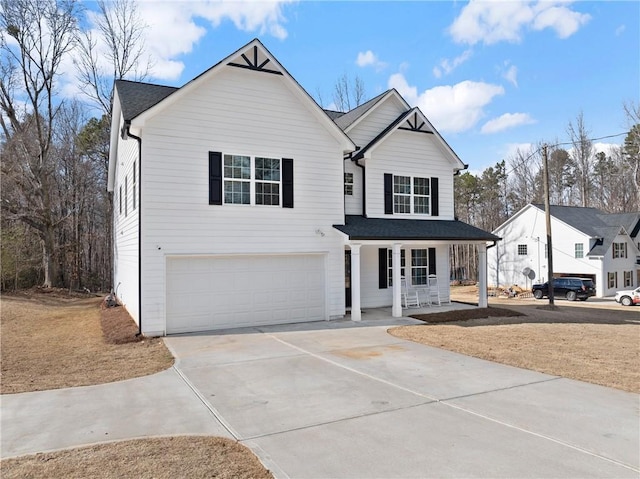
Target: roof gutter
(139, 140)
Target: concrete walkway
(347, 400)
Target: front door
(347, 278)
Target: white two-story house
(241, 202)
(586, 242)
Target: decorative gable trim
(412, 120)
(254, 63)
(241, 59)
(414, 123)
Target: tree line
(579, 175)
(55, 212)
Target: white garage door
(205, 293)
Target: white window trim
(578, 248)
(252, 180)
(425, 267)
(412, 195)
(403, 265)
(348, 184)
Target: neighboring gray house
(240, 202)
(586, 242)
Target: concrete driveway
(347, 400)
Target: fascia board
(116, 121)
(391, 93)
(443, 146)
(345, 142)
(513, 218)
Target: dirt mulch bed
(577, 341)
(53, 340)
(466, 314)
(190, 456)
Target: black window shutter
(382, 268)
(287, 182)
(432, 261)
(434, 197)
(215, 178)
(388, 194)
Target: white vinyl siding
(257, 115)
(353, 203)
(528, 227)
(409, 154)
(375, 297)
(375, 121)
(125, 231)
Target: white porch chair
(433, 290)
(408, 295)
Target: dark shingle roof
(137, 97)
(333, 114)
(345, 120)
(361, 228)
(583, 219)
(597, 224)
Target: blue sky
(491, 76)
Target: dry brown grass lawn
(582, 341)
(55, 340)
(191, 456)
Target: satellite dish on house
(529, 273)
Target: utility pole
(547, 209)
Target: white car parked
(628, 297)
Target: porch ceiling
(361, 228)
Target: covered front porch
(384, 257)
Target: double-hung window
(251, 180)
(628, 279)
(411, 195)
(348, 184)
(267, 175)
(419, 266)
(390, 266)
(619, 250)
(578, 250)
(522, 250)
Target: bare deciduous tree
(115, 50)
(347, 93)
(37, 36)
(582, 155)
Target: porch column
(396, 308)
(356, 313)
(482, 275)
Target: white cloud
(564, 21)
(511, 75)
(491, 22)
(506, 121)
(173, 29)
(451, 108)
(369, 58)
(620, 30)
(513, 149)
(609, 149)
(446, 66)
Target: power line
(523, 162)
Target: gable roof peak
(350, 118)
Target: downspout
(139, 140)
(364, 188)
